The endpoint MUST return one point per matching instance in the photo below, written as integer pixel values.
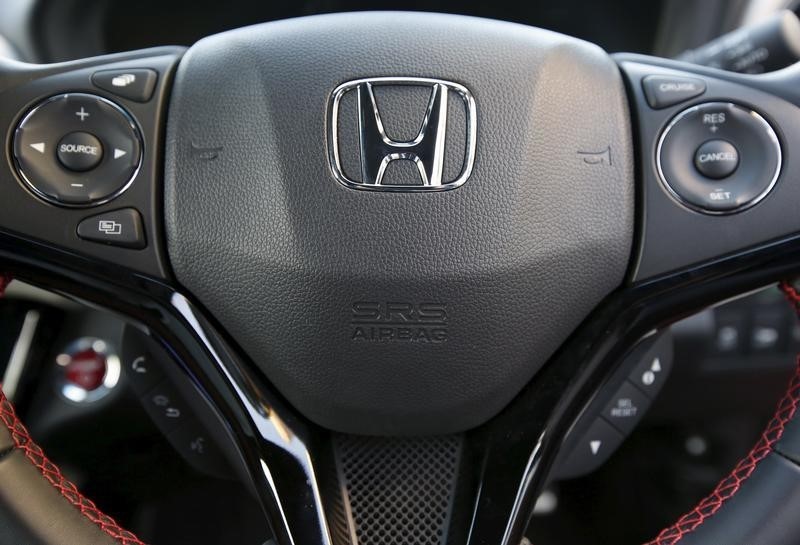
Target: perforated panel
(400, 491)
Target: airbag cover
(398, 312)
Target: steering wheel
(403, 257)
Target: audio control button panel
(83, 169)
(77, 149)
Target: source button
(80, 151)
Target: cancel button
(80, 151)
(716, 159)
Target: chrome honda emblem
(426, 151)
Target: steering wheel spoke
(83, 168)
(741, 131)
(423, 355)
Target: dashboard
(52, 31)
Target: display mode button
(118, 228)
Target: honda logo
(427, 151)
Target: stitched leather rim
(730, 485)
(689, 522)
(5, 279)
(51, 472)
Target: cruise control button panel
(77, 149)
(718, 158)
(118, 228)
(689, 214)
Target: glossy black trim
(519, 457)
(283, 451)
(271, 440)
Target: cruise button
(664, 91)
(118, 228)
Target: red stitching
(728, 487)
(32, 451)
(792, 296)
(5, 280)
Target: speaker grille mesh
(400, 491)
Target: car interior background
(93, 390)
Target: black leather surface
(278, 251)
(789, 444)
(33, 512)
(763, 511)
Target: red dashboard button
(86, 369)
